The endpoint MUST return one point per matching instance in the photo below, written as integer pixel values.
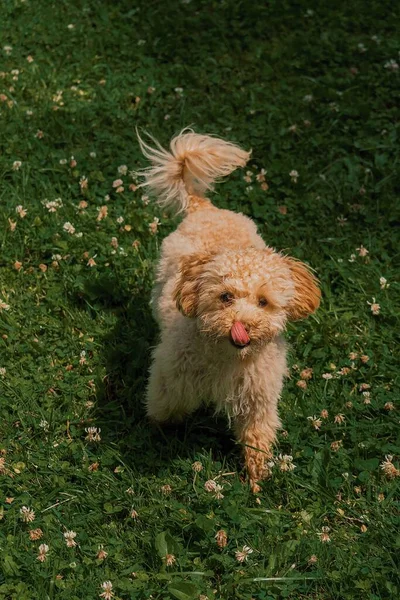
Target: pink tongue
(239, 334)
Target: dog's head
(245, 297)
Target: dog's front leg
(256, 431)
(172, 388)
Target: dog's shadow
(127, 347)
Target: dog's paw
(255, 488)
(257, 467)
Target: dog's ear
(307, 294)
(189, 280)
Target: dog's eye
(262, 302)
(226, 298)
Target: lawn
(94, 500)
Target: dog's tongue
(239, 334)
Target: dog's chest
(235, 387)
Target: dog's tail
(193, 163)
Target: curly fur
(192, 165)
(214, 271)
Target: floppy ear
(307, 294)
(187, 287)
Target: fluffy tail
(192, 165)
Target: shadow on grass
(143, 446)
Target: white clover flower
(392, 65)
(248, 177)
(241, 555)
(222, 538)
(69, 228)
(285, 462)
(388, 467)
(27, 514)
(324, 535)
(210, 485)
(58, 96)
(260, 177)
(327, 376)
(21, 211)
(375, 307)
(362, 251)
(102, 554)
(383, 283)
(339, 418)
(52, 205)
(107, 594)
(93, 434)
(70, 538)
(43, 550)
(217, 493)
(44, 425)
(154, 225)
(315, 422)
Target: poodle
(222, 298)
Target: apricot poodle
(222, 298)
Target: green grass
(307, 86)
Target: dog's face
(245, 298)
